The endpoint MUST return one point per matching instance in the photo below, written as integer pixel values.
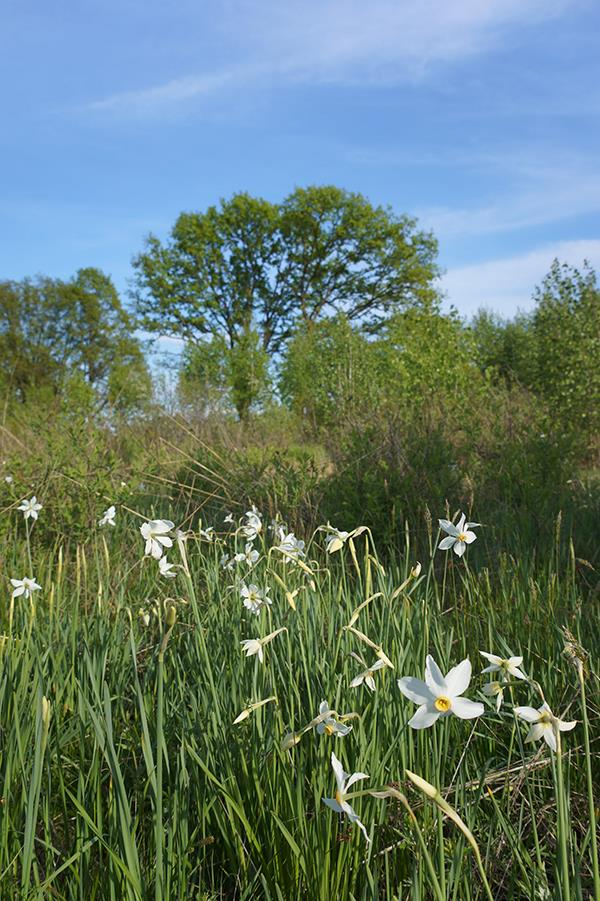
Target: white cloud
(506, 285)
(338, 41)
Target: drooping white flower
(366, 677)
(339, 803)
(144, 618)
(459, 535)
(495, 690)
(249, 556)
(335, 539)
(440, 695)
(543, 724)
(208, 534)
(166, 568)
(330, 725)
(253, 525)
(253, 646)
(508, 666)
(108, 517)
(291, 547)
(155, 534)
(253, 598)
(24, 587)
(30, 508)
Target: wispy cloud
(337, 41)
(506, 285)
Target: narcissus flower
(329, 725)
(253, 598)
(339, 803)
(335, 539)
(30, 508)
(290, 546)
(155, 534)
(366, 677)
(440, 695)
(249, 557)
(508, 666)
(253, 525)
(495, 690)
(108, 517)
(167, 569)
(459, 535)
(543, 724)
(24, 587)
(208, 534)
(255, 645)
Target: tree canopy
(321, 251)
(56, 333)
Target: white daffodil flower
(440, 695)
(291, 547)
(30, 508)
(335, 539)
(249, 556)
(543, 724)
(166, 568)
(108, 517)
(330, 725)
(508, 666)
(253, 525)
(24, 587)
(253, 598)
(208, 534)
(366, 676)
(155, 535)
(229, 518)
(495, 690)
(255, 645)
(339, 803)
(459, 535)
(8, 480)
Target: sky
(479, 117)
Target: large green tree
(250, 266)
(56, 335)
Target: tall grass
(123, 775)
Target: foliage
(75, 337)
(566, 326)
(250, 266)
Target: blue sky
(480, 117)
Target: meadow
(173, 730)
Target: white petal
(323, 707)
(566, 727)
(472, 525)
(340, 775)
(424, 717)
(459, 548)
(515, 661)
(516, 672)
(434, 678)
(333, 804)
(490, 669)
(461, 522)
(469, 537)
(550, 737)
(446, 543)
(415, 690)
(465, 709)
(529, 714)
(458, 678)
(18, 591)
(164, 540)
(353, 817)
(493, 658)
(448, 527)
(355, 777)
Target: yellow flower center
(339, 797)
(461, 537)
(443, 704)
(329, 729)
